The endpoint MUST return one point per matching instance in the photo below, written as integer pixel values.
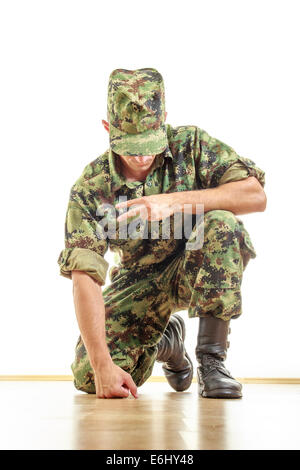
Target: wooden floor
(53, 415)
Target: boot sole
(181, 321)
(188, 384)
(220, 393)
(192, 374)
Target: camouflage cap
(136, 112)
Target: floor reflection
(158, 419)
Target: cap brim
(151, 142)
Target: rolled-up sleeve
(85, 242)
(217, 163)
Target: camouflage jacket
(193, 160)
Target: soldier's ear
(105, 125)
(166, 115)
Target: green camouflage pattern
(139, 302)
(136, 112)
(154, 278)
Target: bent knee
(223, 216)
(84, 385)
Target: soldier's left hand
(154, 207)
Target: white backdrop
(231, 68)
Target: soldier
(158, 170)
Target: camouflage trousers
(139, 302)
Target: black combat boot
(214, 380)
(177, 367)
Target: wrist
(100, 361)
(176, 201)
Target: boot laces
(211, 361)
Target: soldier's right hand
(112, 382)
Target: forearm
(239, 197)
(90, 313)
